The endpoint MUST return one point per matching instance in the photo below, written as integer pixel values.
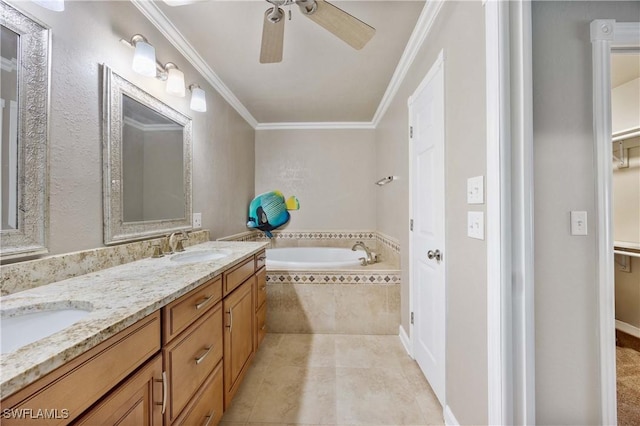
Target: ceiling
(320, 79)
(624, 68)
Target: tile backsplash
(21, 276)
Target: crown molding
(359, 125)
(175, 37)
(418, 36)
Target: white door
(426, 115)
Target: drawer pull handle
(230, 320)
(208, 418)
(203, 302)
(262, 258)
(204, 355)
(263, 327)
(263, 288)
(164, 391)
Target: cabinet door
(136, 402)
(239, 312)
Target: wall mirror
(147, 163)
(24, 105)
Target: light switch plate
(475, 190)
(475, 225)
(197, 220)
(578, 223)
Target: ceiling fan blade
(348, 28)
(272, 37)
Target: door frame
(438, 64)
(510, 217)
(606, 34)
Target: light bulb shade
(175, 82)
(55, 5)
(144, 59)
(198, 100)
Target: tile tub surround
(119, 297)
(360, 300)
(22, 276)
(364, 301)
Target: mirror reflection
(9, 125)
(152, 164)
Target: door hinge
(411, 225)
(411, 131)
(411, 317)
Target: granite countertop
(118, 297)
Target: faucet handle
(157, 250)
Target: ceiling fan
(348, 28)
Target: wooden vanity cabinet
(71, 389)
(187, 359)
(260, 291)
(239, 312)
(193, 355)
(136, 402)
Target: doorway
(427, 250)
(625, 214)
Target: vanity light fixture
(144, 58)
(198, 100)
(55, 5)
(175, 80)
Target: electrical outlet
(197, 220)
(475, 225)
(578, 223)
(475, 190)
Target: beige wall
(566, 320)
(332, 172)
(84, 36)
(460, 32)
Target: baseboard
(449, 418)
(406, 342)
(624, 327)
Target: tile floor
(333, 379)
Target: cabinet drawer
(191, 357)
(261, 287)
(77, 385)
(183, 311)
(238, 275)
(137, 401)
(261, 324)
(207, 405)
(261, 259)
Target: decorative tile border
(320, 235)
(338, 277)
(387, 241)
(21, 276)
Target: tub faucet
(369, 260)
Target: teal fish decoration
(270, 210)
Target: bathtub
(326, 258)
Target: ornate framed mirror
(24, 124)
(146, 163)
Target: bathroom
(331, 162)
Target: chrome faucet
(369, 259)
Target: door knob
(434, 254)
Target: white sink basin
(200, 256)
(24, 328)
